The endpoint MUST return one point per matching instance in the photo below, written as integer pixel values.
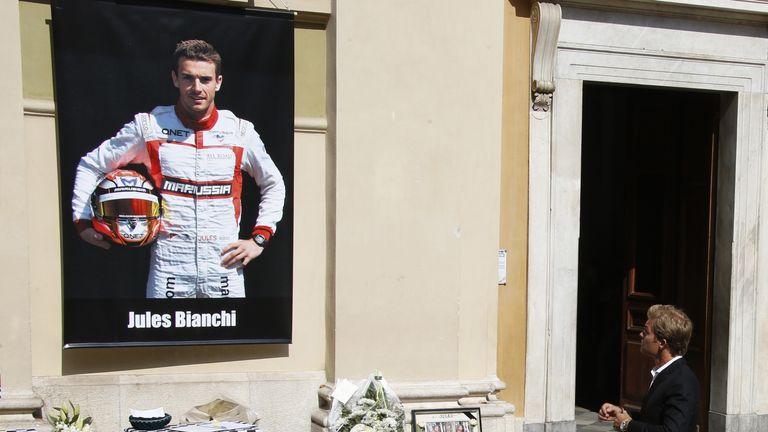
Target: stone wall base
(560, 426)
(719, 422)
(496, 415)
(283, 400)
(22, 413)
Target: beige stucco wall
(14, 249)
(397, 216)
(466, 207)
(279, 381)
(310, 77)
(514, 201)
(417, 142)
(308, 348)
(36, 48)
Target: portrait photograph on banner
(175, 127)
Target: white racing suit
(198, 171)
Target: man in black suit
(671, 403)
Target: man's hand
(94, 237)
(239, 253)
(608, 412)
(616, 414)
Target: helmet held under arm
(126, 209)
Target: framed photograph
(447, 420)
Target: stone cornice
(484, 389)
(743, 11)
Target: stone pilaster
(17, 401)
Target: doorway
(648, 203)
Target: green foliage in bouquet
(375, 411)
(67, 418)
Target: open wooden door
(646, 233)
(669, 227)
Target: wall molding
(310, 124)
(601, 63)
(39, 107)
(738, 11)
(47, 108)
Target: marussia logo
(207, 190)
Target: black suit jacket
(672, 402)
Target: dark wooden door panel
(669, 228)
(646, 232)
(636, 384)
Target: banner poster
(113, 61)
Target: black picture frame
(112, 59)
(446, 420)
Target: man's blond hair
(671, 325)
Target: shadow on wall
(92, 360)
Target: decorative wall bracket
(545, 29)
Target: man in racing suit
(195, 155)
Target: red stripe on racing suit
(202, 170)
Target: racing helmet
(126, 209)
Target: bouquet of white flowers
(374, 407)
(68, 419)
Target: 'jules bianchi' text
(181, 319)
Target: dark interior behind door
(647, 218)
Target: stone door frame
(554, 209)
